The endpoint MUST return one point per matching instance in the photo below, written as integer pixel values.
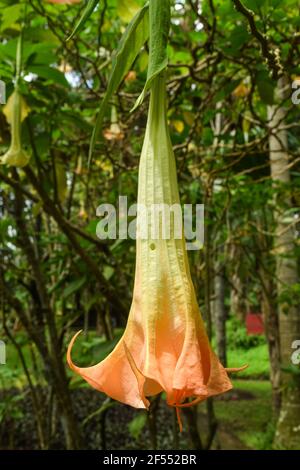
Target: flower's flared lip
(141, 378)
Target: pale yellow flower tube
(15, 155)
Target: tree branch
(271, 55)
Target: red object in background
(255, 324)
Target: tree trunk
(51, 350)
(288, 426)
(270, 316)
(238, 304)
(211, 417)
(220, 314)
(266, 266)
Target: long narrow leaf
(90, 7)
(133, 39)
(159, 25)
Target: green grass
(12, 373)
(249, 419)
(257, 359)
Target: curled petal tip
(187, 404)
(236, 369)
(179, 419)
(69, 358)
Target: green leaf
(108, 272)
(104, 349)
(73, 287)
(39, 54)
(293, 370)
(227, 89)
(90, 7)
(137, 424)
(10, 15)
(159, 25)
(95, 348)
(133, 39)
(265, 88)
(8, 50)
(49, 73)
(127, 9)
(266, 92)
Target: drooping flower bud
(15, 111)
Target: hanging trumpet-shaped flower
(164, 346)
(114, 132)
(15, 110)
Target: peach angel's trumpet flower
(164, 346)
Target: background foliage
(56, 275)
